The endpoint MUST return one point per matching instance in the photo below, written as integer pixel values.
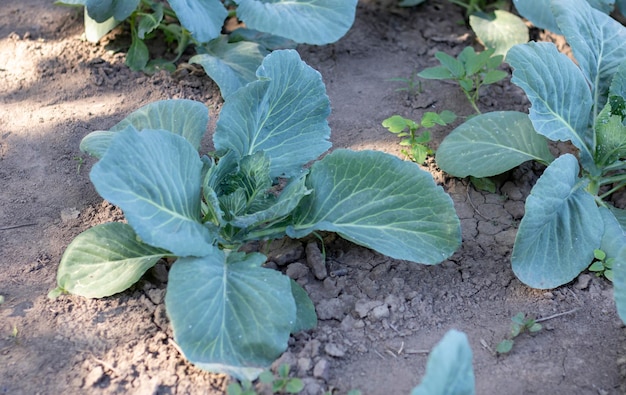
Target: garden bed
(378, 317)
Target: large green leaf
(449, 369)
(306, 317)
(550, 80)
(540, 14)
(561, 228)
(491, 144)
(379, 201)
(598, 42)
(186, 118)
(315, 22)
(283, 114)
(105, 260)
(155, 177)
(229, 314)
(613, 236)
(611, 132)
(620, 216)
(101, 10)
(499, 30)
(230, 65)
(203, 18)
(618, 85)
(95, 30)
(614, 245)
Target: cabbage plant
(228, 312)
(231, 60)
(567, 215)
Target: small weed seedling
(470, 69)
(280, 384)
(520, 324)
(79, 163)
(474, 6)
(412, 86)
(406, 129)
(602, 266)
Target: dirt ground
(377, 322)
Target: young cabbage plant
(229, 313)
(567, 215)
(226, 59)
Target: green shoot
(520, 324)
(80, 161)
(602, 266)
(470, 70)
(474, 6)
(412, 86)
(279, 384)
(282, 384)
(407, 130)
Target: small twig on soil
(413, 351)
(379, 354)
(557, 315)
(17, 226)
(393, 354)
(483, 342)
(107, 365)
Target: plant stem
(612, 179)
(607, 194)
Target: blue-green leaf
(95, 30)
(316, 22)
(283, 114)
(105, 260)
(186, 118)
(449, 369)
(500, 30)
(548, 77)
(490, 144)
(620, 216)
(618, 85)
(611, 132)
(306, 318)
(598, 42)
(230, 65)
(540, 14)
(155, 178)
(101, 10)
(203, 18)
(561, 228)
(229, 314)
(381, 202)
(613, 236)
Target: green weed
(470, 70)
(521, 323)
(602, 266)
(407, 130)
